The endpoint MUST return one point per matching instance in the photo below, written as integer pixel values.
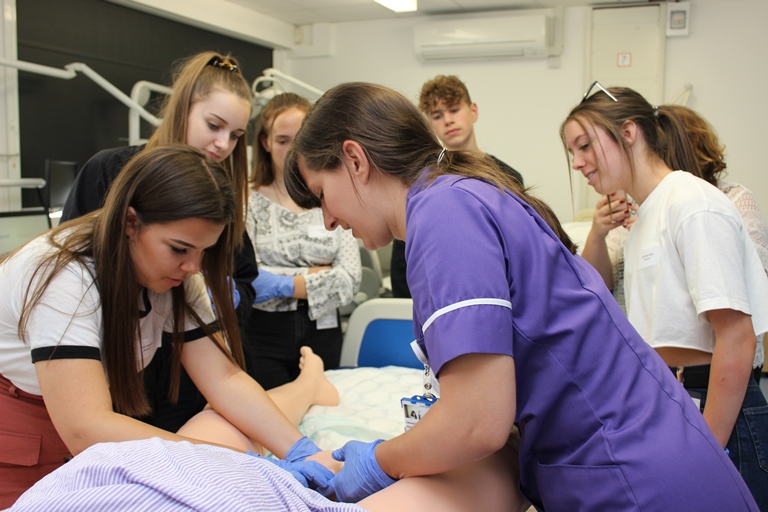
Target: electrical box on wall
(678, 18)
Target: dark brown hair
(262, 173)
(162, 184)
(397, 141)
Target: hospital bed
(378, 369)
(578, 231)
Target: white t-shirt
(66, 324)
(689, 253)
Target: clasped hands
(359, 477)
(301, 462)
(270, 286)
(613, 210)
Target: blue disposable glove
(271, 286)
(361, 474)
(235, 295)
(309, 473)
(301, 449)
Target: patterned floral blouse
(289, 243)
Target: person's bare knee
(208, 425)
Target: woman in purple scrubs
(519, 330)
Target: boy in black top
(446, 102)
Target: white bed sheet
(369, 406)
(578, 232)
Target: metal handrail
(140, 93)
(22, 182)
(37, 183)
(270, 74)
(71, 70)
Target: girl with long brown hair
(87, 305)
(208, 109)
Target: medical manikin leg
(310, 388)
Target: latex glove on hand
(361, 475)
(310, 474)
(235, 294)
(302, 449)
(271, 286)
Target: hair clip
(222, 64)
(441, 155)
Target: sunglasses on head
(597, 84)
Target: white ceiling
(304, 12)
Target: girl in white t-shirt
(694, 284)
(85, 306)
(604, 247)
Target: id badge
(329, 321)
(415, 408)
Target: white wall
(724, 59)
(523, 102)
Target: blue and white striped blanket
(165, 476)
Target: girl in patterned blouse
(305, 271)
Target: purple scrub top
(604, 424)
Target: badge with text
(415, 408)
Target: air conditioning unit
(531, 34)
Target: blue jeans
(748, 444)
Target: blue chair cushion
(388, 342)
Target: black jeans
(274, 339)
(157, 381)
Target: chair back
(379, 333)
(60, 177)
